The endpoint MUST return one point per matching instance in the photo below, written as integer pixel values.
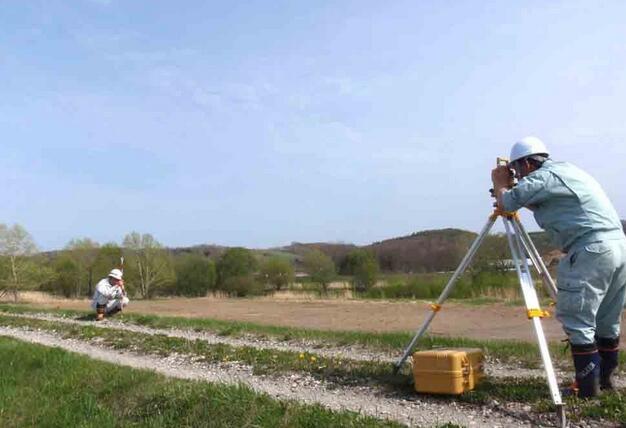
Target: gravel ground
(414, 411)
(493, 367)
(409, 409)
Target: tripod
(522, 248)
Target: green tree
(320, 268)
(235, 271)
(109, 257)
(235, 262)
(363, 267)
(84, 253)
(18, 267)
(148, 265)
(195, 275)
(278, 272)
(66, 275)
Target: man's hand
(502, 180)
(501, 177)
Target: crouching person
(109, 297)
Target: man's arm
(531, 190)
(109, 291)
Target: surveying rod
(436, 307)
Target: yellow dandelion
(313, 359)
(302, 356)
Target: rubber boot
(587, 365)
(608, 348)
(100, 312)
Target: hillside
(426, 251)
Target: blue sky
(259, 123)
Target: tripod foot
(561, 419)
(396, 369)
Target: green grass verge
(49, 387)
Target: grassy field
(51, 388)
(529, 390)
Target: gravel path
(412, 411)
(348, 352)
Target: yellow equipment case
(447, 371)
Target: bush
(242, 286)
(234, 263)
(363, 266)
(278, 272)
(66, 276)
(195, 275)
(408, 288)
(431, 286)
(320, 268)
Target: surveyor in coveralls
(572, 207)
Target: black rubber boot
(587, 364)
(608, 348)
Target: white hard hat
(116, 273)
(528, 146)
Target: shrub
(235, 262)
(195, 275)
(363, 267)
(278, 272)
(242, 286)
(320, 268)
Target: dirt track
(494, 321)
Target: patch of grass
(50, 387)
(607, 406)
(526, 390)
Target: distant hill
(336, 251)
(207, 250)
(426, 251)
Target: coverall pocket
(598, 248)
(571, 297)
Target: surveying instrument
(522, 249)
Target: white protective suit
(110, 295)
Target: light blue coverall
(572, 207)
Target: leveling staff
(591, 280)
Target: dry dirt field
(490, 321)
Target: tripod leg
(533, 308)
(446, 291)
(529, 246)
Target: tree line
(150, 269)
